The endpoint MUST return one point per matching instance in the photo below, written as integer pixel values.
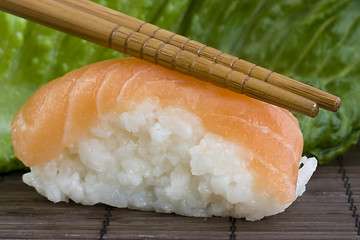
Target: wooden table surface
(327, 210)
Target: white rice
(158, 159)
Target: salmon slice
(64, 109)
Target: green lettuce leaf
(316, 42)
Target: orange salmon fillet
(60, 112)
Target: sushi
(132, 134)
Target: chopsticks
(129, 35)
(323, 99)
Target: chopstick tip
(337, 104)
(314, 110)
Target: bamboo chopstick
(58, 15)
(323, 99)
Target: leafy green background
(317, 42)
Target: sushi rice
(159, 158)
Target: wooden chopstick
(323, 99)
(72, 20)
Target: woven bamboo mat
(327, 210)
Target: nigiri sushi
(128, 133)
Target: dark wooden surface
(325, 211)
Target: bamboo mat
(327, 210)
